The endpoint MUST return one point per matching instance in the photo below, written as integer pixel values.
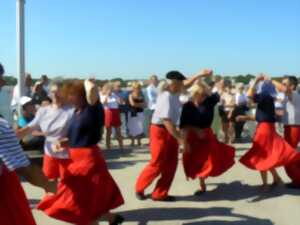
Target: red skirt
(292, 136)
(207, 156)
(14, 207)
(269, 150)
(86, 191)
(112, 118)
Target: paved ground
(233, 199)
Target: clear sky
(136, 38)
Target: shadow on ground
(236, 191)
(143, 216)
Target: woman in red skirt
(111, 103)
(204, 156)
(269, 150)
(87, 191)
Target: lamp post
(20, 28)
(20, 45)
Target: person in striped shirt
(14, 207)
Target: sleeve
(213, 99)
(35, 123)
(149, 94)
(165, 107)
(11, 152)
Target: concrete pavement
(233, 199)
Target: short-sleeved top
(11, 153)
(54, 123)
(112, 101)
(152, 93)
(201, 116)
(168, 106)
(228, 99)
(86, 127)
(292, 110)
(265, 111)
(23, 121)
(241, 99)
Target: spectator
(241, 108)
(152, 92)
(136, 116)
(31, 141)
(27, 91)
(111, 103)
(40, 96)
(226, 110)
(123, 106)
(46, 83)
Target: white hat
(24, 100)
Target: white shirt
(54, 123)
(292, 110)
(280, 99)
(152, 93)
(15, 96)
(241, 99)
(168, 107)
(112, 101)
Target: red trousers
(53, 168)
(163, 163)
(292, 136)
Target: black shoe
(292, 186)
(167, 199)
(118, 220)
(199, 193)
(140, 196)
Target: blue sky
(136, 38)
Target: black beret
(1, 70)
(175, 75)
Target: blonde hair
(136, 85)
(162, 86)
(107, 86)
(198, 88)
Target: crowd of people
(70, 116)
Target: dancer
(291, 120)
(14, 207)
(86, 192)
(203, 155)
(269, 150)
(164, 139)
(53, 120)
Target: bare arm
(190, 81)
(35, 176)
(91, 89)
(171, 128)
(252, 88)
(279, 86)
(21, 133)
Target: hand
(180, 140)
(239, 119)
(206, 73)
(260, 77)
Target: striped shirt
(11, 153)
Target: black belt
(159, 125)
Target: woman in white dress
(136, 116)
